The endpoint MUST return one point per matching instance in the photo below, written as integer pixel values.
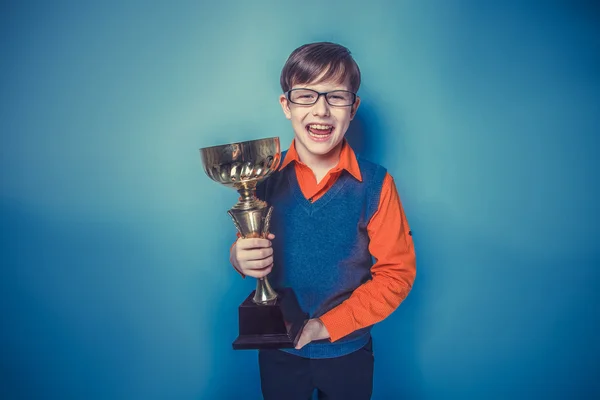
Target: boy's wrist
(324, 331)
(330, 321)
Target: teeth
(320, 127)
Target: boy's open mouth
(319, 131)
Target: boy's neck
(320, 164)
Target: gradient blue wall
(115, 282)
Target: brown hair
(308, 62)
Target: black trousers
(284, 376)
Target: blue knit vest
(321, 247)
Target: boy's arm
(394, 271)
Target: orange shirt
(390, 244)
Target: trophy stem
(247, 195)
(248, 200)
(264, 293)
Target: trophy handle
(267, 223)
(237, 225)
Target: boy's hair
(310, 61)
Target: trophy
(267, 319)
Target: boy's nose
(321, 107)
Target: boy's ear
(285, 106)
(354, 108)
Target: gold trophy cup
(269, 320)
(242, 166)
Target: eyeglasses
(307, 97)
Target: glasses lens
(340, 98)
(303, 96)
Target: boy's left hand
(313, 330)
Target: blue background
(115, 281)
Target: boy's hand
(313, 330)
(253, 256)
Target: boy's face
(319, 128)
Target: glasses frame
(319, 94)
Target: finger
(254, 255)
(260, 273)
(258, 264)
(270, 236)
(253, 243)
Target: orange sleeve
(393, 273)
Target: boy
(333, 213)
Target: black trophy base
(270, 326)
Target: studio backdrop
(115, 280)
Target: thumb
(304, 339)
(270, 236)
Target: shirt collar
(347, 160)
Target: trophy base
(270, 326)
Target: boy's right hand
(253, 256)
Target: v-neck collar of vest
(313, 206)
